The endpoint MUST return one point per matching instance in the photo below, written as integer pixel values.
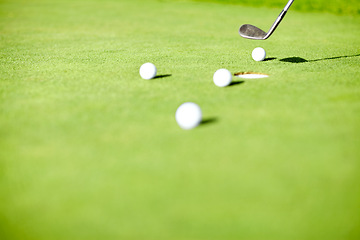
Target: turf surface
(89, 150)
(341, 7)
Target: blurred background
(333, 6)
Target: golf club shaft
(279, 18)
(288, 5)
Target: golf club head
(252, 32)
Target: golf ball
(188, 115)
(258, 54)
(148, 71)
(222, 77)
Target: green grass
(333, 6)
(89, 150)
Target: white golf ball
(258, 54)
(222, 77)
(188, 115)
(148, 71)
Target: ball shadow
(162, 76)
(269, 59)
(233, 83)
(209, 120)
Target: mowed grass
(89, 150)
(341, 7)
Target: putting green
(89, 150)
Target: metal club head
(255, 33)
(252, 32)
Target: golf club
(255, 33)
